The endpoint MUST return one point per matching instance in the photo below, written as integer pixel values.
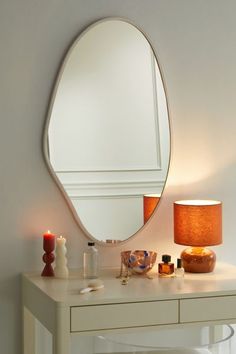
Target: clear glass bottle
(90, 262)
(166, 268)
(179, 271)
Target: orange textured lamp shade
(150, 202)
(198, 223)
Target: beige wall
(195, 44)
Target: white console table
(143, 303)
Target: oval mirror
(107, 139)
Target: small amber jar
(166, 268)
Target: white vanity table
(142, 304)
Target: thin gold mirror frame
(47, 122)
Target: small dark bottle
(166, 268)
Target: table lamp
(198, 223)
(150, 202)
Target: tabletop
(66, 292)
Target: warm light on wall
(150, 202)
(198, 223)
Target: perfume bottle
(179, 271)
(166, 268)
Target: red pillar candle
(48, 257)
(48, 242)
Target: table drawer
(139, 314)
(208, 309)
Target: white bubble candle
(61, 270)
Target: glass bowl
(139, 261)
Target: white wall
(195, 43)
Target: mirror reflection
(108, 130)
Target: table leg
(62, 337)
(29, 332)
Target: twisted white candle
(61, 270)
